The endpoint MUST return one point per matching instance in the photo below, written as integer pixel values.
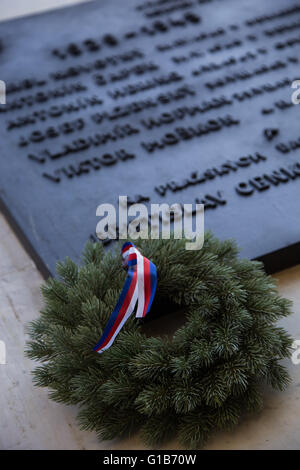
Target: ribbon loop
(139, 287)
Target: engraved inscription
(159, 100)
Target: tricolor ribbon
(139, 287)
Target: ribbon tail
(139, 287)
(121, 312)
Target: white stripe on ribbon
(140, 285)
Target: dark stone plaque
(164, 101)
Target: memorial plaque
(164, 101)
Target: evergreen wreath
(202, 378)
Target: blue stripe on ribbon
(153, 277)
(132, 262)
